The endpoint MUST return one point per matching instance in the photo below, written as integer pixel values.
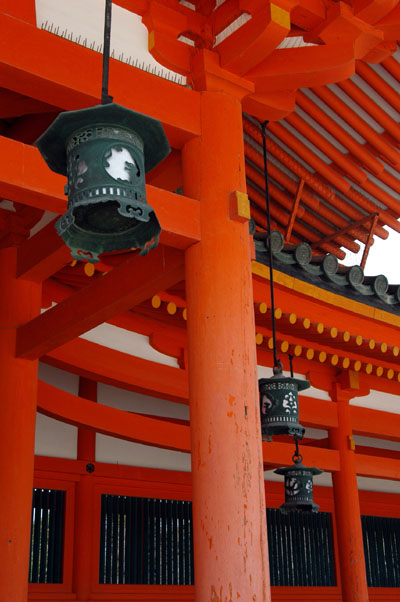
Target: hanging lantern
(279, 406)
(105, 151)
(298, 486)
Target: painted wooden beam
(42, 255)
(132, 282)
(121, 370)
(276, 453)
(25, 178)
(377, 467)
(67, 75)
(374, 423)
(78, 411)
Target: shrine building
(179, 315)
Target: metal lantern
(105, 151)
(279, 406)
(298, 486)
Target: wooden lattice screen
(47, 535)
(382, 550)
(146, 541)
(300, 548)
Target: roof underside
(339, 153)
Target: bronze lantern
(105, 152)
(298, 486)
(279, 406)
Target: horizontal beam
(78, 411)
(377, 467)
(130, 283)
(373, 423)
(121, 370)
(276, 454)
(67, 75)
(315, 413)
(25, 178)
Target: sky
(383, 257)
(85, 18)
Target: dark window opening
(300, 549)
(145, 541)
(382, 550)
(47, 536)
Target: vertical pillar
(347, 506)
(230, 541)
(19, 302)
(83, 552)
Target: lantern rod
(277, 364)
(290, 356)
(105, 97)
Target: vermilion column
(230, 542)
(19, 303)
(83, 548)
(347, 506)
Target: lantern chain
(297, 458)
(277, 369)
(105, 97)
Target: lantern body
(279, 406)
(298, 487)
(105, 151)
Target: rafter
(132, 282)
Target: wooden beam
(374, 423)
(315, 413)
(132, 282)
(121, 370)
(25, 178)
(42, 255)
(376, 467)
(110, 421)
(66, 75)
(280, 454)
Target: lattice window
(47, 536)
(145, 541)
(300, 549)
(382, 550)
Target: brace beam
(132, 282)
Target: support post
(83, 550)
(347, 505)
(19, 302)
(229, 515)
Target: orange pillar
(347, 506)
(83, 550)
(230, 541)
(19, 302)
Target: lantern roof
(52, 144)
